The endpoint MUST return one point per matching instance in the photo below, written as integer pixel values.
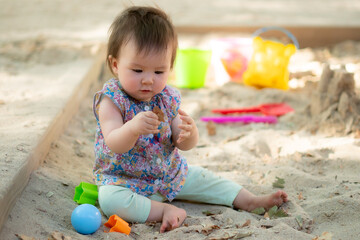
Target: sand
(315, 149)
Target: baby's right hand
(145, 123)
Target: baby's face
(141, 75)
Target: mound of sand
(335, 106)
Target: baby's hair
(149, 27)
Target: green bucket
(191, 67)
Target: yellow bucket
(268, 67)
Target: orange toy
(117, 224)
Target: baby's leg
(203, 185)
(247, 201)
(123, 202)
(133, 207)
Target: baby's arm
(185, 132)
(120, 137)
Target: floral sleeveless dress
(154, 163)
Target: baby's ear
(113, 63)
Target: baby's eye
(159, 72)
(137, 70)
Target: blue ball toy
(86, 219)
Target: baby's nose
(148, 79)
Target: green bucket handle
(289, 34)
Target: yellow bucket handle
(289, 34)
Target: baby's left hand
(187, 126)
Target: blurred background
(90, 19)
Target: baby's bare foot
(277, 198)
(173, 217)
(247, 201)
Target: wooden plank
(53, 132)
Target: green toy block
(86, 193)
